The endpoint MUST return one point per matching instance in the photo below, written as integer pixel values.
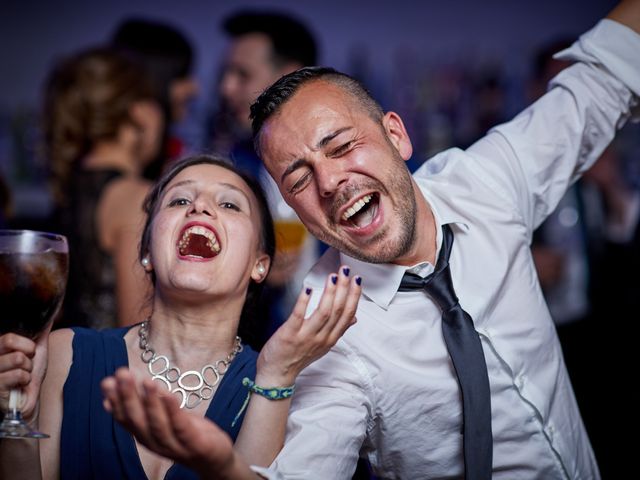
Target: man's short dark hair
(270, 101)
(290, 37)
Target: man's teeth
(356, 207)
(212, 242)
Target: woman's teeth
(188, 244)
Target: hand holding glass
(33, 277)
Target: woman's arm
(51, 405)
(23, 364)
(294, 346)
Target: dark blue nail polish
(308, 291)
(359, 280)
(346, 271)
(334, 279)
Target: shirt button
(520, 381)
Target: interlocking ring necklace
(192, 392)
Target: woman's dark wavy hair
(267, 235)
(87, 98)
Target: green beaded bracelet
(276, 393)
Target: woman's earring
(261, 269)
(145, 262)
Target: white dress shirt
(388, 390)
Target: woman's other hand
(300, 341)
(154, 417)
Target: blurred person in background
(102, 127)
(264, 45)
(166, 54)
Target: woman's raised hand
(300, 341)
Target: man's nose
(330, 176)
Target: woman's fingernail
(334, 279)
(308, 291)
(359, 280)
(346, 271)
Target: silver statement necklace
(193, 386)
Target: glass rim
(38, 233)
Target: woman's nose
(200, 206)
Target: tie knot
(438, 285)
(440, 288)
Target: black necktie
(465, 350)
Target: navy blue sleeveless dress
(92, 444)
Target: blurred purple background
(423, 59)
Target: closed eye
(300, 183)
(342, 149)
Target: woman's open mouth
(198, 242)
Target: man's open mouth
(198, 242)
(362, 212)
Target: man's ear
(397, 134)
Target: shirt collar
(380, 281)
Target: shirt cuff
(266, 473)
(613, 45)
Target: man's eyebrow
(301, 162)
(323, 142)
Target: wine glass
(33, 277)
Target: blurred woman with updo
(102, 126)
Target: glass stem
(14, 403)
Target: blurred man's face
(181, 93)
(247, 71)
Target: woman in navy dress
(207, 246)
